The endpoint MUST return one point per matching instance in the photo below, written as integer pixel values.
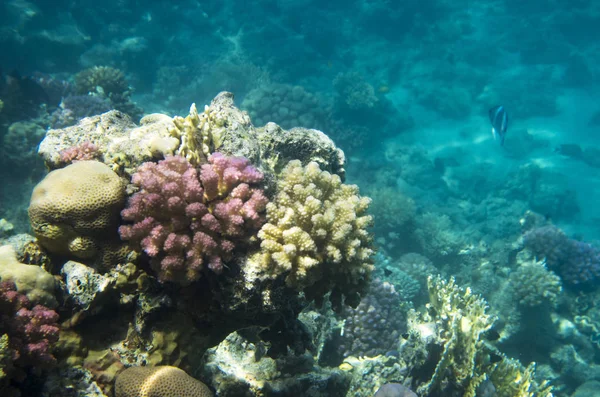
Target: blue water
(403, 87)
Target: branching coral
(460, 318)
(463, 317)
(316, 235)
(27, 334)
(185, 220)
(198, 133)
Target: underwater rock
(394, 390)
(83, 283)
(238, 367)
(6, 228)
(71, 382)
(588, 389)
(279, 146)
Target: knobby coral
(576, 262)
(185, 220)
(316, 235)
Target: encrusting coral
(316, 235)
(185, 222)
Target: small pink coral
(31, 331)
(84, 151)
(186, 220)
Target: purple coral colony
(188, 220)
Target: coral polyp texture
(576, 262)
(74, 211)
(316, 235)
(26, 335)
(160, 381)
(186, 220)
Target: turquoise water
(404, 89)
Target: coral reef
(437, 237)
(353, 92)
(74, 211)
(124, 146)
(575, 262)
(394, 214)
(316, 235)
(188, 222)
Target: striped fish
(499, 120)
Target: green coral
(534, 284)
(316, 235)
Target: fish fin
(494, 133)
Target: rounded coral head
(159, 381)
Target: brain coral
(160, 381)
(74, 211)
(316, 235)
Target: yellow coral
(511, 379)
(31, 280)
(460, 319)
(74, 211)
(198, 133)
(316, 233)
(160, 381)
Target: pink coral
(186, 220)
(31, 331)
(84, 151)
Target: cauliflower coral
(185, 220)
(316, 235)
